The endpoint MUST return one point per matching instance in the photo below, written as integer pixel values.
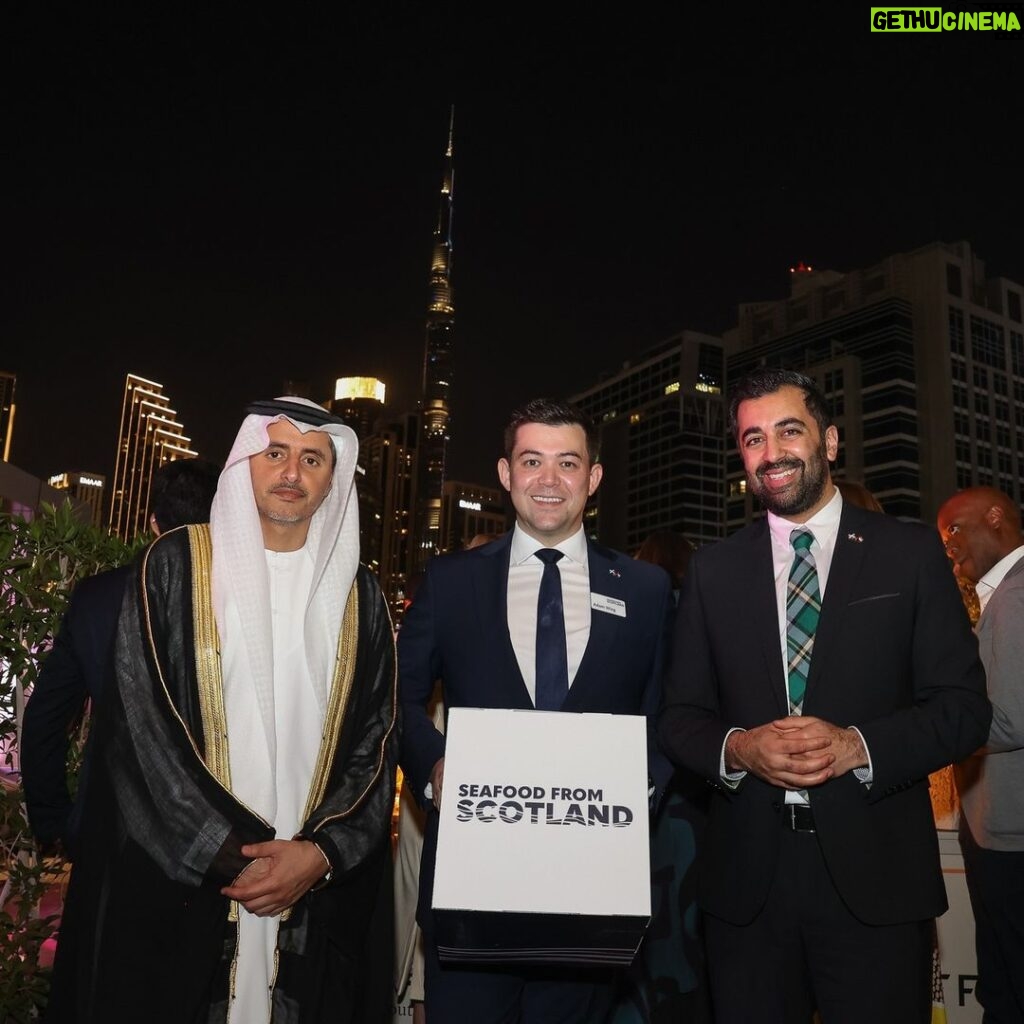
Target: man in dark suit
(822, 667)
(478, 624)
(81, 661)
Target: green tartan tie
(803, 609)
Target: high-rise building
(359, 401)
(437, 372)
(662, 429)
(7, 409)
(87, 488)
(469, 509)
(22, 494)
(922, 360)
(150, 436)
(387, 487)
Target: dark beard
(814, 477)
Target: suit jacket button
(776, 806)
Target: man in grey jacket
(981, 528)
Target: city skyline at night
(180, 212)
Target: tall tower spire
(437, 363)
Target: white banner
(544, 813)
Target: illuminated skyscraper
(7, 382)
(150, 436)
(359, 401)
(437, 365)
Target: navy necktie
(552, 682)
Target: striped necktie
(803, 609)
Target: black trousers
(514, 995)
(995, 883)
(806, 951)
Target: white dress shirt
(524, 574)
(824, 527)
(985, 587)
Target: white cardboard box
(543, 853)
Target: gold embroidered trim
(148, 623)
(357, 803)
(233, 973)
(209, 684)
(337, 702)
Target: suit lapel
(760, 608)
(851, 543)
(606, 579)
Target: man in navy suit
(822, 667)
(81, 661)
(474, 625)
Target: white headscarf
(240, 583)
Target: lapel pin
(615, 573)
(856, 537)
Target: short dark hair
(551, 414)
(766, 380)
(182, 492)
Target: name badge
(611, 605)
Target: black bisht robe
(146, 934)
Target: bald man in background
(981, 528)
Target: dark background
(222, 201)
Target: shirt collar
(524, 546)
(998, 572)
(823, 523)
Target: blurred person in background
(981, 528)
(668, 980)
(82, 660)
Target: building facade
(921, 358)
(469, 510)
(387, 487)
(22, 494)
(662, 429)
(359, 401)
(149, 436)
(85, 488)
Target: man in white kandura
(238, 859)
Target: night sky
(222, 203)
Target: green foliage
(24, 985)
(40, 562)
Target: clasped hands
(281, 872)
(796, 752)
